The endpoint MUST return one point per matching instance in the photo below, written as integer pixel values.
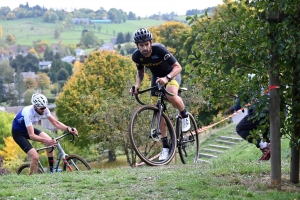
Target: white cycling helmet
(39, 100)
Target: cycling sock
(51, 162)
(184, 113)
(165, 142)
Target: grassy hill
(235, 175)
(32, 29)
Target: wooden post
(294, 174)
(275, 119)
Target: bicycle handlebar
(158, 86)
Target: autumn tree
(5, 126)
(40, 46)
(43, 81)
(87, 96)
(1, 32)
(175, 36)
(30, 83)
(10, 39)
(11, 16)
(33, 52)
(13, 155)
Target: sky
(140, 8)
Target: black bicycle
(147, 124)
(69, 162)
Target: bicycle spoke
(76, 163)
(146, 138)
(188, 143)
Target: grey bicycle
(69, 162)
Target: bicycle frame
(61, 154)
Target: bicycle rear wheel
(76, 163)
(144, 138)
(25, 169)
(188, 143)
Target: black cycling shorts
(21, 138)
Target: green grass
(21, 29)
(234, 175)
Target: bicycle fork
(156, 132)
(61, 154)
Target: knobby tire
(142, 123)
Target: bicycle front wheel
(188, 143)
(146, 139)
(25, 169)
(76, 163)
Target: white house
(68, 59)
(45, 64)
(79, 52)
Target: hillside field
(32, 29)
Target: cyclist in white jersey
(23, 130)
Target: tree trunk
(275, 120)
(294, 174)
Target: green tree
(55, 88)
(19, 85)
(4, 10)
(50, 16)
(99, 27)
(57, 33)
(128, 37)
(8, 75)
(62, 75)
(120, 38)
(89, 39)
(3, 65)
(244, 38)
(48, 54)
(2, 90)
(11, 96)
(27, 96)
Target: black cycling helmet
(142, 35)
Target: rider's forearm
(139, 77)
(61, 126)
(176, 69)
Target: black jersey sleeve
(168, 57)
(135, 59)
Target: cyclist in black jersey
(165, 70)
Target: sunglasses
(42, 108)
